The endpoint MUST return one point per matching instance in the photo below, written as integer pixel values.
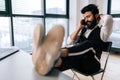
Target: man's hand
(64, 52)
(74, 35)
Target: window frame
(109, 10)
(57, 15)
(8, 13)
(113, 49)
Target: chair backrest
(107, 48)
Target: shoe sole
(49, 50)
(38, 37)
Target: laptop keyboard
(5, 52)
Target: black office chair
(106, 48)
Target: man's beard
(92, 23)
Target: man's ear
(97, 17)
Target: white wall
(75, 11)
(102, 5)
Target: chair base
(92, 75)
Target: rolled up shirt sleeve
(69, 41)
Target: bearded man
(87, 41)
(85, 44)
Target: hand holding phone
(83, 22)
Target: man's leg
(77, 60)
(49, 50)
(68, 62)
(85, 45)
(66, 52)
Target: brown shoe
(38, 36)
(49, 50)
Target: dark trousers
(80, 47)
(85, 62)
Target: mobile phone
(83, 22)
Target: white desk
(19, 67)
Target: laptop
(5, 52)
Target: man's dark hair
(91, 7)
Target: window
(27, 7)
(50, 22)
(2, 5)
(55, 6)
(23, 31)
(115, 12)
(114, 9)
(57, 13)
(21, 16)
(4, 32)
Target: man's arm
(74, 35)
(106, 29)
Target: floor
(112, 69)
